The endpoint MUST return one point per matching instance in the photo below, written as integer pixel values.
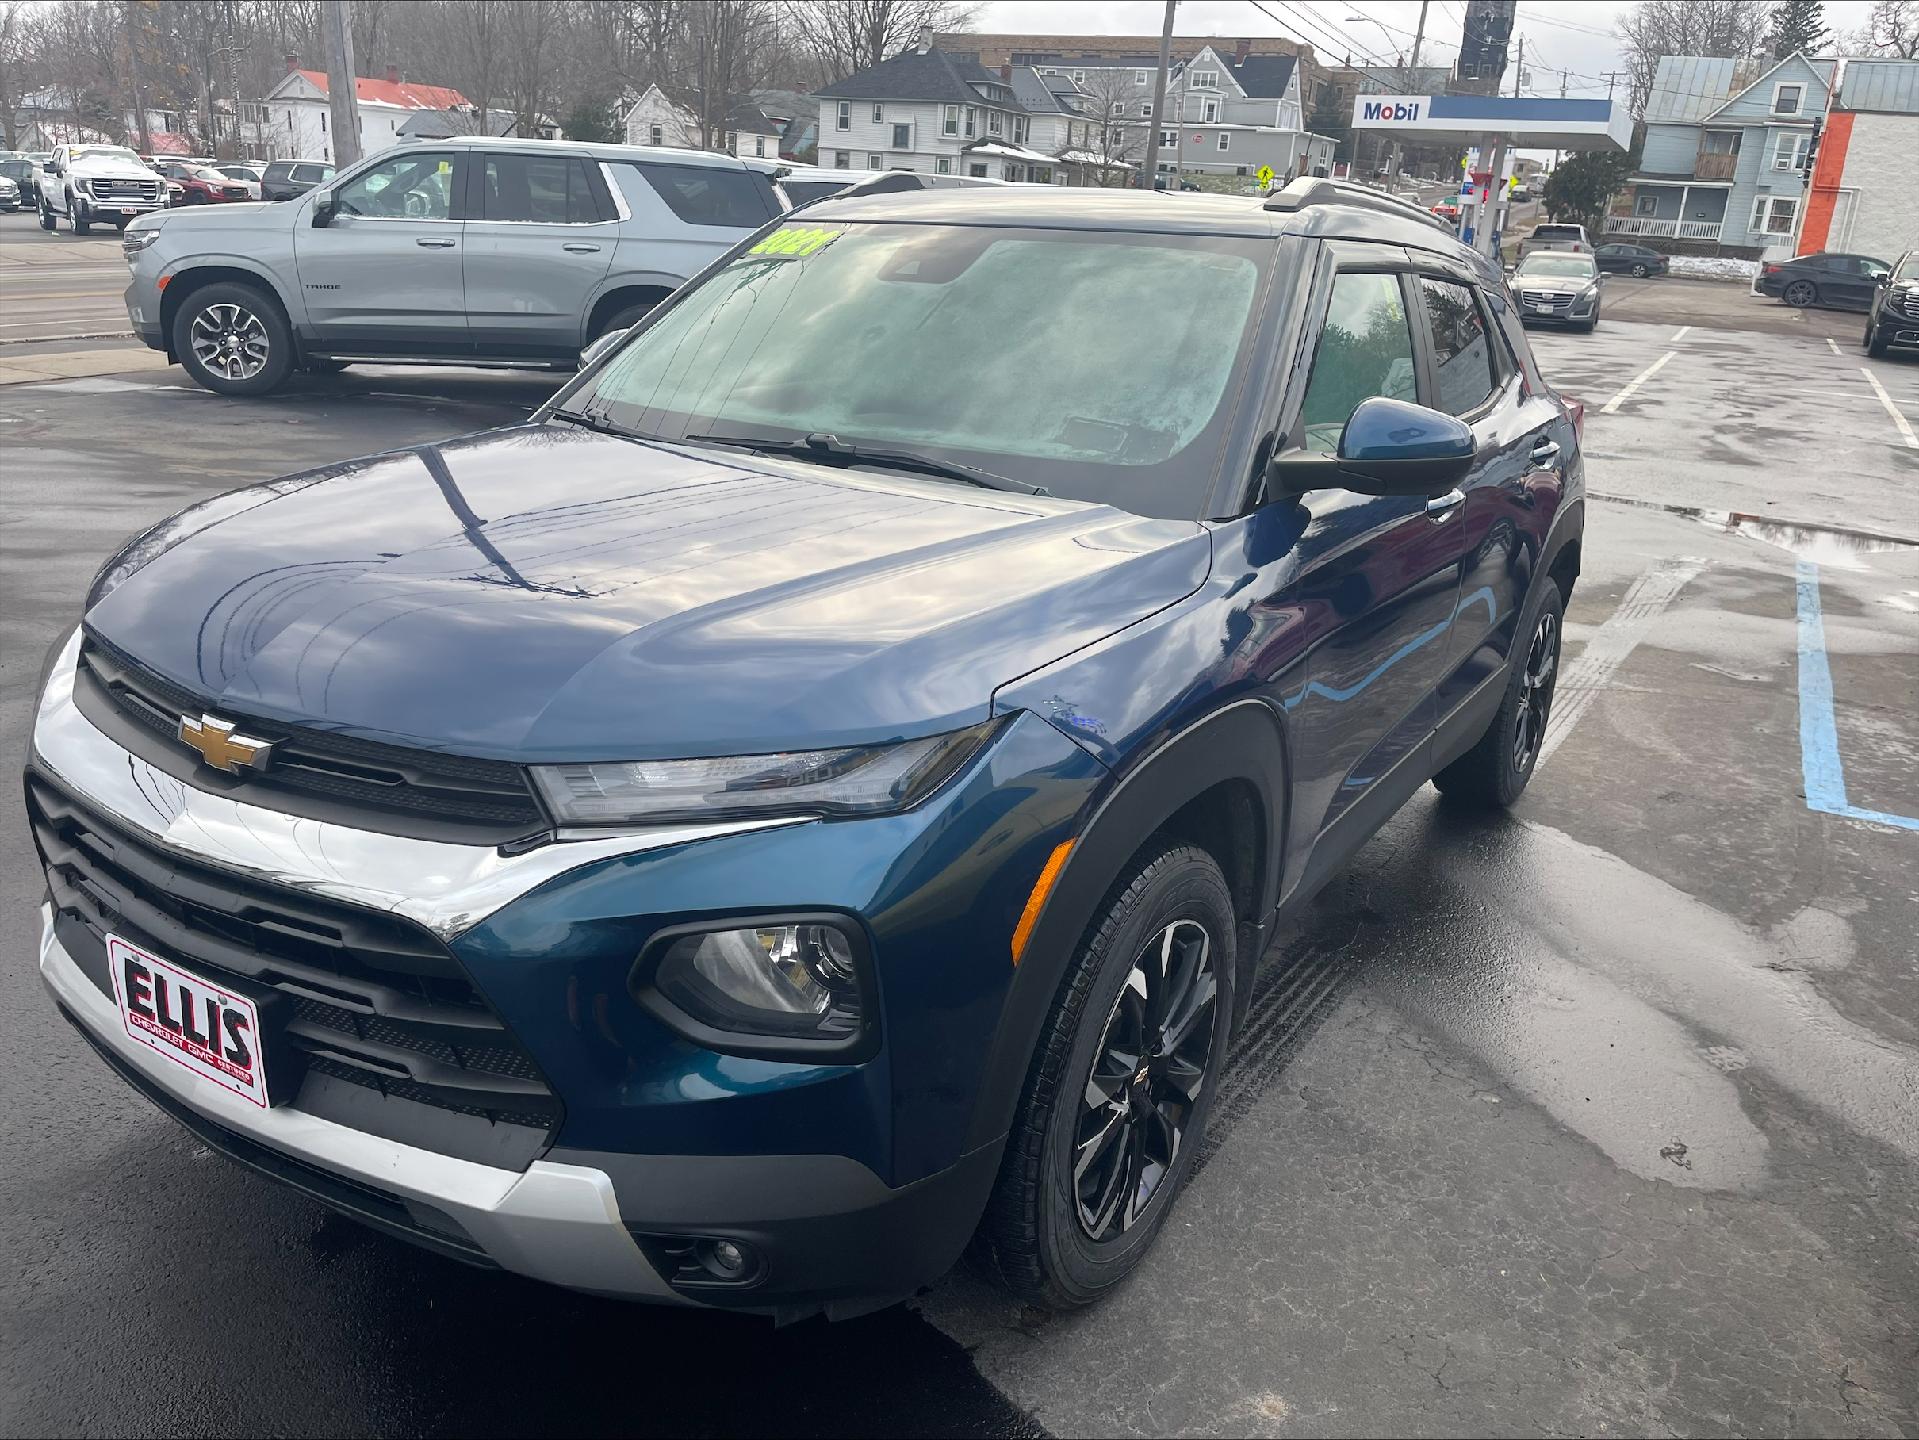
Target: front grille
(115, 188)
(1546, 297)
(375, 1000)
(1904, 302)
(330, 777)
(235, 192)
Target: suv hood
(547, 593)
(111, 167)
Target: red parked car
(202, 184)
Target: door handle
(434, 244)
(1545, 452)
(1441, 507)
(579, 247)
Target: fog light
(788, 985)
(727, 1260)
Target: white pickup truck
(97, 185)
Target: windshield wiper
(596, 424)
(827, 448)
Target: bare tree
(843, 37)
(1891, 32)
(731, 43)
(1114, 139)
(1654, 29)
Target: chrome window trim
(447, 888)
(622, 210)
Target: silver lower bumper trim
(558, 1223)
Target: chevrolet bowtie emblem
(221, 748)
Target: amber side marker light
(1035, 902)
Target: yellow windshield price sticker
(794, 241)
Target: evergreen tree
(1797, 25)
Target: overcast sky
(1571, 40)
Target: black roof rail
(1309, 190)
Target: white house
(298, 117)
(658, 119)
(928, 109)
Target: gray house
(1725, 150)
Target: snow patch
(1715, 267)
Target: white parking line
(1633, 384)
(1612, 642)
(1832, 345)
(1905, 426)
(1680, 334)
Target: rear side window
(714, 195)
(541, 189)
(1558, 232)
(312, 173)
(1366, 349)
(1463, 360)
(278, 170)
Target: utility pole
(1519, 70)
(1412, 80)
(1151, 177)
(133, 74)
(343, 99)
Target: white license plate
(196, 1024)
(1542, 309)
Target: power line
(1338, 43)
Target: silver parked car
(463, 251)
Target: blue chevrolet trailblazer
(814, 796)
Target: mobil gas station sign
(1520, 121)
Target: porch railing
(1668, 229)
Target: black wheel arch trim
(1244, 741)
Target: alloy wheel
(1800, 292)
(1152, 1063)
(1536, 691)
(230, 342)
(1639, 271)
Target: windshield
(1557, 232)
(1096, 365)
(19, 170)
(1908, 267)
(802, 191)
(1569, 267)
(102, 152)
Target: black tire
(1493, 774)
(1035, 1236)
(77, 220)
(622, 319)
(48, 220)
(1875, 341)
(1639, 270)
(263, 325)
(1800, 293)
(121, 224)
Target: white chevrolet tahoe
(97, 185)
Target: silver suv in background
(469, 251)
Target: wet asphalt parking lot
(1603, 1117)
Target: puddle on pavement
(1830, 545)
(1619, 1004)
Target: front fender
(283, 286)
(1244, 743)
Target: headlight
(134, 241)
(784, 985)
(860, 780)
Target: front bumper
(143, 313)
(610, 1207)
(554, 1222)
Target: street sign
(1264, 175)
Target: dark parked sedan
(1836, 282)
(286, 179)
(1892, 322)
(1631, 260)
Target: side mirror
(600, 346)
(1389, 447)
(323, 212)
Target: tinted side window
(1366, 349)
(1462, 354)
(278, 170)
(312, 173)
(544, 189)
(712, 195)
